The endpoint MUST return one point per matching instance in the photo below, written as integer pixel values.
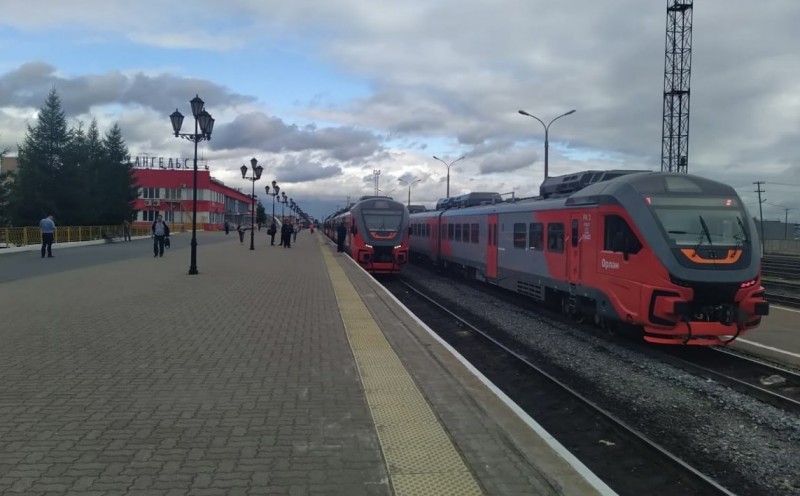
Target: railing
(22, 236)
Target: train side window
(427, 230)
(536, 236)
(451, 231)
(475, 233)
(574, 236)
(465, 233)
(520, 235)
(458, 232)
(619, 236)
(555, 237)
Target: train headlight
(398, 247)
(748, 284)
(368, 246)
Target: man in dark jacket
(286, 235)
(271, 231)
(341, 234)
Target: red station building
(165, 187)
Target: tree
(261, 214)
(37, 188)
(73, 174)
(119, 184)
(5, 187)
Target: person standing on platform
(294, 234)
(48, 228)
(241, 229)
(286, 235)
(271, 231)
(126, 230)
(227, 228)
(160, 232)
(341, 234)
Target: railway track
(792, 301)
(771, 384)
(784, 267)
(625, 459)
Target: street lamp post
(205, 122)
(256, 175)
(448, 170)
(283, 201)
(409, 184)
(275, 190)
(546, 131)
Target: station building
(165, 187)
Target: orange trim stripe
(732, 257)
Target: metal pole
(253, 213)
(448, 180)
(409, 195)
(546, 150)
(193, 263)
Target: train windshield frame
(382, 220)
(690, 221)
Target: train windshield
(383, 220)
(701, 221)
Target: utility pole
(761, 212)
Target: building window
(520, 235)
(536, 236)
(555, 237)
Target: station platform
(272, 371)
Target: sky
(324, 93)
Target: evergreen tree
(5, 188)
(118, 182)
(40, 162)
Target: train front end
(380, 240)
(702, 235)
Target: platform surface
(273, 371)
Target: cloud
(257, 130)
(298, 169)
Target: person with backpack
(271, 231)
(160, 232)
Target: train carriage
(674, 254)
(377, 233)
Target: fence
(21, 236)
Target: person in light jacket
(160, 231)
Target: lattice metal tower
(677, 72)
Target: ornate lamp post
(448, 170)
(275, 190)
(409, 184)
(283, 201)
(546, 131)
(205, 122)
(256, 175)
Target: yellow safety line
(420, 457)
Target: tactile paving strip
(420, 457)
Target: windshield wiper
(744, 231)
(703, 233)
(705, 230)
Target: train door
(574, 250)
(491, 249)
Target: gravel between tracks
(738, 440)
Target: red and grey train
(377, 233)
(675, 255)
